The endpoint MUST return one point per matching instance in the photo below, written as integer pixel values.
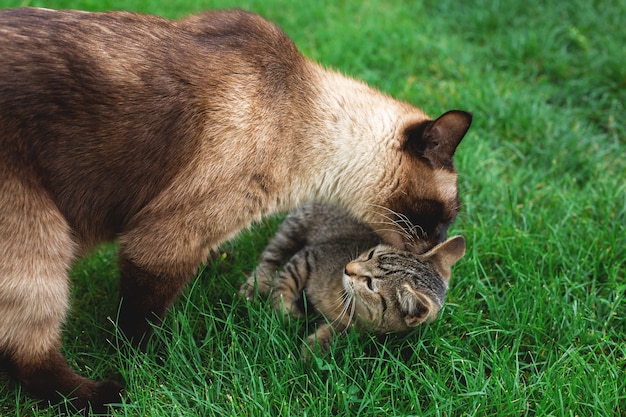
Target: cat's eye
(368, 282)
(371, 254)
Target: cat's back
(121, 49)
(56, 36)
(225, 30)
(325, 223)
(72, 76)
(126, 100)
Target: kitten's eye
(371, 254)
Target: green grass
(535, 321)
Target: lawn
(535, 319)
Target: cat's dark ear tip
(464, 113)
(463, 117)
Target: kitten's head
(392, 290)
(418, 199)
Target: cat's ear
(446, 254)
(437, 140)
(420, 310)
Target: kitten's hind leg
(37, 250)
(287, 241)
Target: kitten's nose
(350, 269)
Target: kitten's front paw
(318, 342)
(247, 289)
(287, 306)
(257, 284)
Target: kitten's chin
(348, 286)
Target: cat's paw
(257, 284)
(106, 395)
(318, 342)
(287, 305)
(94, 398)
(247, 290)
(311, 348)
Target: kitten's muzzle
(352, 271)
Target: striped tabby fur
(313, 263)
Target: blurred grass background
(535, 321)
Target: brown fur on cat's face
(426, 169)
(392, 291)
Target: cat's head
(392, 290)
(418, 199)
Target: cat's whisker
(403, 231)
(395, 213)
(351, 317)
(398, 220)
(403, 219)
(411, 231)
(409, 237)
(347, 303)
(340, 301)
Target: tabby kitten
(171, 136)
(309, 264)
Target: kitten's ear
(436, 141)
(420, 310)
(446, 254)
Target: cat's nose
(350, 269)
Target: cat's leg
(37, 249)
(318, 341)
(287, 241)
(157, 258)
(287, 292)
(321, 340)
(49, 377)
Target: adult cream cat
(171, 136)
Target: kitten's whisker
(339, 301)
(351, 317)
(347, 303)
